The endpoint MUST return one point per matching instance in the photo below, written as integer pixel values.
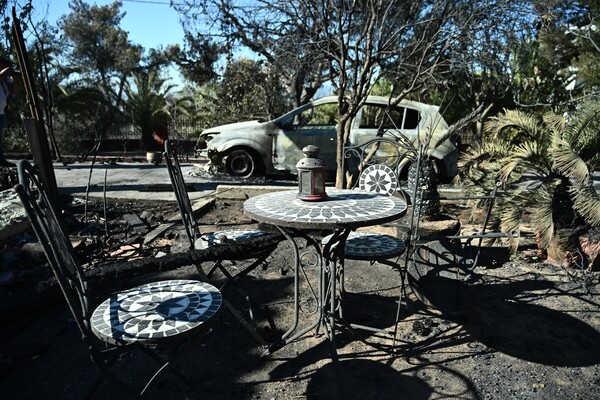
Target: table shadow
(364, 379)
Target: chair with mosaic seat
(152, 318)
(376, 247)
(204, 241)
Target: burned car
(274, 147)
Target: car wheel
(240, 163)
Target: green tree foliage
(250, 90)
(479, 72)
(577, 21)
(197, 59)
(349, 45)
(247, 90)
(98, 51)
(79, 117)
(557, 64)
(23, 11)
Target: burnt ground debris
(525, 329)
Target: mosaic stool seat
(207, 240)
(370, 246)
(155, 311)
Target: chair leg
(401, 299)
(216, 265)
(235, 312)
(104, 366)
(244, 323)
(165, 365)
(231, 279)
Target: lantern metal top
(311, 151)
(311, 158)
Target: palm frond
(541, 215)
(556, 123)
(515, 126)
(512, 209)
(583, 131)
(481, 161)
(569, 163)
(471, 163)
(559, 152)
(587, 203)
(526, 156)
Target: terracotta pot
(154, 157)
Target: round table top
(155, 310)
(343, 209)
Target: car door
(314, 125)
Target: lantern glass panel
(305, 182)
(319, 183)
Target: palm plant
(557, 154)
(79, 113)
(147, 105)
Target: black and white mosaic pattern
(155, 310)
(378, 178)
(219, 237)
(343, 208)
(370, 246)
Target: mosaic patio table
(343, 212)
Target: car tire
(241, 163)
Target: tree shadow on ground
(499, 315)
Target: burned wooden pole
(34, 125)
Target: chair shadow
(499, 316)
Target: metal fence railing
(182, 128)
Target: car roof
(380, 100)
(384, 100)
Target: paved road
(145, 181)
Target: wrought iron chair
(460, 252)
(375, 162)
(163, 315)
(199, 241)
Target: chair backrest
(183, 200)
(48, 227)
(378, 178)
(380, 157)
